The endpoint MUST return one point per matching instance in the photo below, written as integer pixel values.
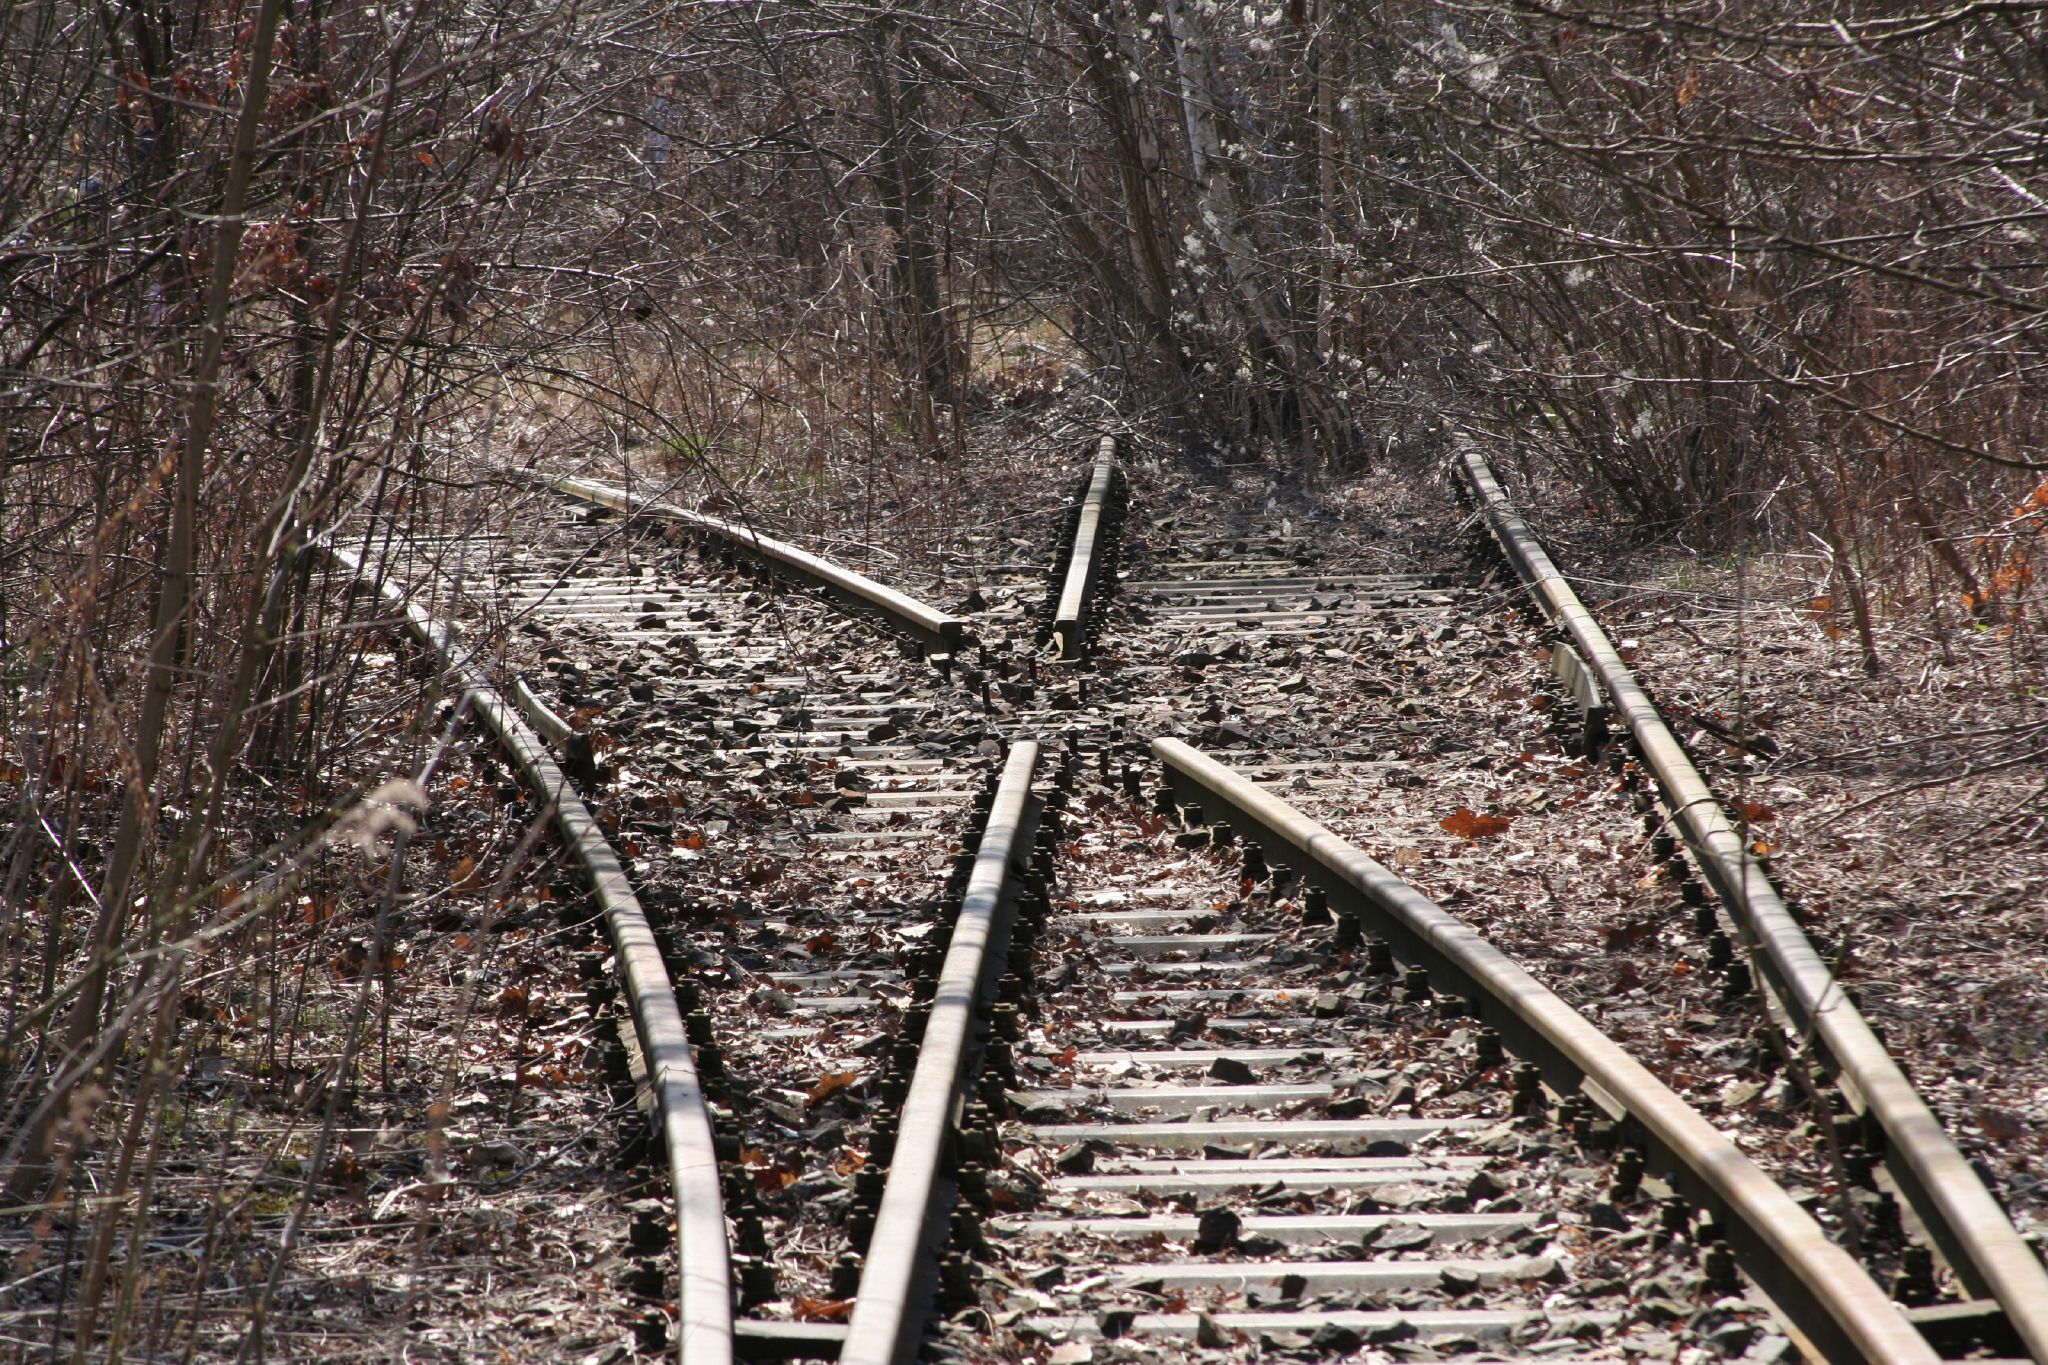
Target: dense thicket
(275, 273)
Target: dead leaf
(1756, 812)
(1623, 935)
(1468, 824)
(831, 1084)
(2000, 1126)
(822, 1310)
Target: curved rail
(704, 1323)
(1817, 1284)
(934, 631)
(1087, 554)
(910, 1226)
(1972, 1230)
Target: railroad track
(1155, 1057)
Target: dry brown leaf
(1468, 824)
(822, 1310)
(1622, 935)
(830, 1084)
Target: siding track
(1157, 1061)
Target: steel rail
(1084, 562)
(934, 631)
(911, 1227)
(1823, 1291)
(704, 1323)
(1972, 1230)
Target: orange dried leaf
(822, 1310)
(830, 1084)
(2000, 1126)
(1469, 824)
(1756, 812)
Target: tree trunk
(903, 183)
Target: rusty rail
(1972, 1231)
(704, 1321)
(931, 630)
(910, 1226)
(1818, 1287)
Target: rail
(910, 1225)
(704, 1323)
(932, 630)
(1087, 555)
(1973, 1232)
(1816, 1284)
